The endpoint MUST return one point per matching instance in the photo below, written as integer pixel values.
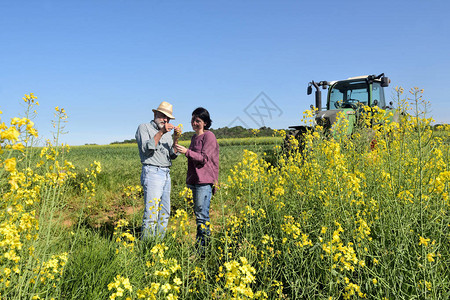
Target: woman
(203, 170)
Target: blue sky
(108, 63)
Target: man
(156, 150)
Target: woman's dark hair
(203, 114)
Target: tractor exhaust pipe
(318, 94)
(319, 100)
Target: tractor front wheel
(294, 140)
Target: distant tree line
(232, 132)
(220, 133)
(124, 142)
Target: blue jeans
(202, 198)
(156, 184)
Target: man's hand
(166, 127)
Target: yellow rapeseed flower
(10, 164)
(11, 134)
(423, 241)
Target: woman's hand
(181, 149)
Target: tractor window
(378, 95)
(347, 94)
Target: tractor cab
(355, 91)
(363, 90)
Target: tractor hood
(327, 118)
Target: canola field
(338, 217)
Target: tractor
(348, 96)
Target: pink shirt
(203, 159)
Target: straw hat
(165, 108)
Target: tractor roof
(351, 78)
(358, 77)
